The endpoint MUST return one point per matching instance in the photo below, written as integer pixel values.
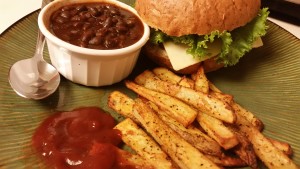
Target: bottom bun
(159, 55)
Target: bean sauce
(97, 25)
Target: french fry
(214, 88)
(126, 158)
(284, 147)
(175, 108)
(198, 81)
(201, 81)
(271, 156)
(201, 101)
(147, 74)
(143, 145)
(191, 134)
(167, 75)
(248, 115)
(218, 131)
(180, 151)
(168, 106)
(227, 161)
(186, 82)
(226, 98)
(268, 150)
(236, 107)
(204, 85)
(244, 149)
(122, 104)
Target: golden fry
(122, 104)
(186, 82)
(191, 134)
(226, 98)
(143, 144)
(218, 131)
(271, 156)
(167, 75)
(248, 115)
(236, 107)
(227, 161)
(284, 147)
(245, 149)
(201, 81)
(147, 74)
(127, 158)
(180, 151)
(201, 101)
(169, 105)
(214, 88)
(175, 108)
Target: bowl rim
(107, 52)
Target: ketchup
(81, 139)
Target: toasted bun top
(183, 17)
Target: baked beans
(97, 25)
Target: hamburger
(214, 33)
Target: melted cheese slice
(180, 59)
(257, 43)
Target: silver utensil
(34, 78)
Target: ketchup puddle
(81, 139)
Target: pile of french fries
(187, 122)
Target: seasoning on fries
(193, 124)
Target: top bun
(183, 17)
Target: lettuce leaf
(234, 44)
(157, 37)
(244, 37)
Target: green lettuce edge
(235, 44)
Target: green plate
(266, 82)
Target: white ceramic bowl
(90, 67)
